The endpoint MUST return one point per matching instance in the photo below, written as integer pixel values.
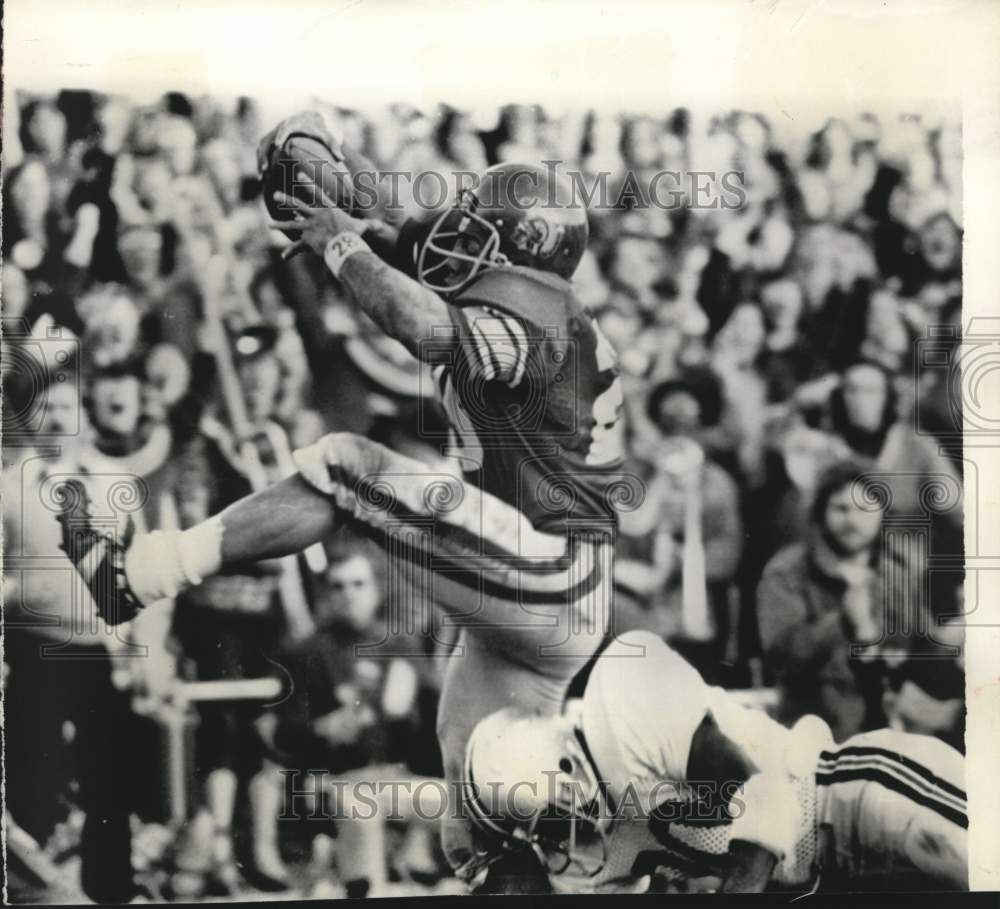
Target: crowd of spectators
(767, 352)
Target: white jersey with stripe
(892, 802)
(641, 708)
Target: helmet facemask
(564, 842)
(566, 830)
(461, 244)
(570, 842)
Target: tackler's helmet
(530, 785)
(517, 214)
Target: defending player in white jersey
(653, 771)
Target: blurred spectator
(927, 697)
(43, 134)
(787, 358)
(351, 714)
(230, 626)
(111, 327)
(31, 227)
(863, 412)
(15, 292)
(819, 597)
(776, 513)
(65, 723)
(778, 510)
(690, 515)
(636, 267)
(115, 406)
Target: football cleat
(98, 555)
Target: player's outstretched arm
(400, 306)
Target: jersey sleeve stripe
(897, 770)
(512, 371)
(521, 345)
(488, 359)
(874, 775)
(894, 756)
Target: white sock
(160, 564)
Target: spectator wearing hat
(690, 403)
(654, 539)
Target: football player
(653, 771)
(522, 555)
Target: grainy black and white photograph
(511, 448)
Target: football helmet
(530, 784)
(518, 214)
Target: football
(312, 158)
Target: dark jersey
(533, 396)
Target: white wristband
(342, 247)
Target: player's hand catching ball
(306, 123)
(316, 225)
